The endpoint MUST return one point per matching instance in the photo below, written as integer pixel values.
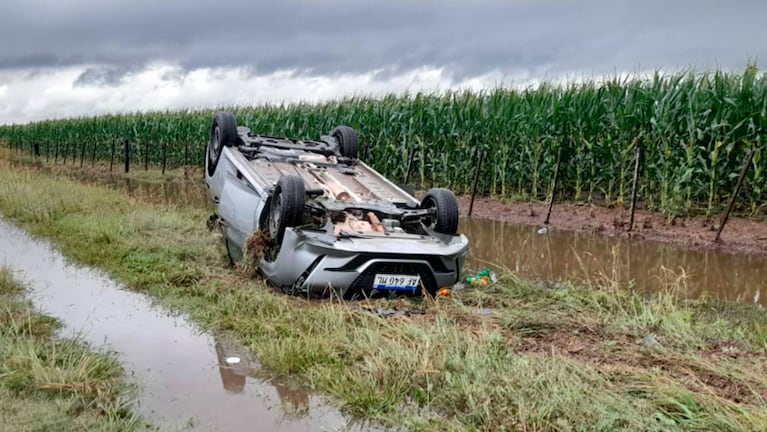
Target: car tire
(347, 141)
(286, 207)
(223, 133)
(446, 208)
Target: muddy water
(185, 380)
(563, 255)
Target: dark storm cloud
(103, 76)
(327, 37)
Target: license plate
(396, 282)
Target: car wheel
(223, 133)
(286, 207)
(347, 140)
(446, 210)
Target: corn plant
(695, 130)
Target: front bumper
(318, 264)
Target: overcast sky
(62, 58)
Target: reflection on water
(294, 398)
(563, 254)
(180, 369)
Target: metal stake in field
(126, 154)
(476, 180)
(409, 165)
(164, 154)
(112, 156)
(554, 186)
(738, 185)
(634, 186)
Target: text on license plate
(396, 282)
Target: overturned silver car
(329, 221)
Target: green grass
(695, 130)
(561, 357)
(53, 384)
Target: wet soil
(186, 382)
(740, 235)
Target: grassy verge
(514, 356)
(49, 384)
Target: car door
(239, 207)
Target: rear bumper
(317, 265)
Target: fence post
(186, 153)
(82, 152)
(554, 186)
(126, 154)
(476, 180)
(204, 160)
(56, 154)
(164, 154)
(112, 156)
(146, 156)
(738, 185)
(409, 165)
(634, 186)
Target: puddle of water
(186, 382)
(562, 254)
(559, 254)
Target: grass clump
(47, 383)
(561, 357)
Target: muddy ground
(740, 235)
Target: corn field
(694, 130)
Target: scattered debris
(651, 340)
(253, 253)
(443, 292)
(484, 311)
(543, 231)
(485, 277)
(232, 360)
(212, 222)
(387, 312)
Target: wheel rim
(431, 219)
(216, 143)
(274, 216)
